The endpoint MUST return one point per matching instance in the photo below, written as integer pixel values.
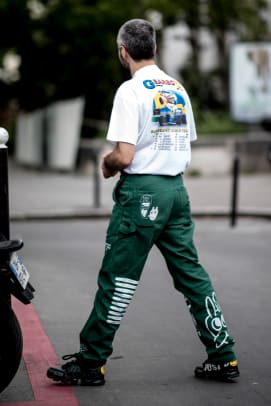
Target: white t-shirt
(153, 112)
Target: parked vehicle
(14, 281)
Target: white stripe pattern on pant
(123, 293)
(120, 299)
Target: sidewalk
(155, 354)
(37, 194)
(156, 349)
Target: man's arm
(121, 157)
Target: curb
(103, 213)
(68, 215)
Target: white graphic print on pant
(215, 322)
(146, 210)
(123, 293)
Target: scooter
(14, 281)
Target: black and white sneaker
(220, 371)
(76, 372)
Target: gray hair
(139, 38)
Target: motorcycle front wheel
(11, 344)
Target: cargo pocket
(127, 226)
(125, 201)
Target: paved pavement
(157, 348)
(43, 194)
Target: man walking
(151, 126)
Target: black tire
(11, 344)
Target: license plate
(19, 270)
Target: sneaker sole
(223, 378)
(57, 375)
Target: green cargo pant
(151, 210)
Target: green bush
(217, 123)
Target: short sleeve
(123, 125)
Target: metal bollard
(234, 200)
(4, 197)
(97, 183)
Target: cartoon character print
(146, 210)
(215, 322)
(145, 204)
(153, 213)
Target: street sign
(250, 81)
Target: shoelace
(70, 356)
(71, 364)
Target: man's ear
(124, 52)
(121, 50)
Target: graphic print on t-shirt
(169, 108)
(170, 131)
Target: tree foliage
(67, 47)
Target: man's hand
(107, 172)
(118, 159)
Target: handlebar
(10, 246)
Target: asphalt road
(156, 348)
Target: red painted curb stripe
(38, 354)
